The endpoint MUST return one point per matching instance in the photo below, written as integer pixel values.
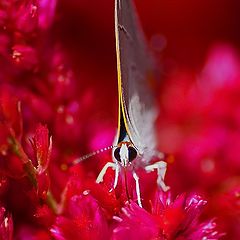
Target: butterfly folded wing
(135, 80)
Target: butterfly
(135, 142)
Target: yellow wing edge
(121, 108)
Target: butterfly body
(135, 140)
(135, 65)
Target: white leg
(135, 176)
(103, 172)
(117, 169)
(161, 168)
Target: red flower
(6, 225)
(205, 134)
(169, 220)
(42, 146)
(83, 219)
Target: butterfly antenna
(84, 157)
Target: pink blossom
(83, 219)
(169, 220)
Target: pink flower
(204, 133)
(46, 13)
(83, 219)
(26, 232)
(169, 220)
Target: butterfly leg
(136, 178)
(115, 167)
(103, 171)
(117, 170)
(161, 168)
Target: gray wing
(135, 78)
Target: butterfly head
(125, 153)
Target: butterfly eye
(117, 154)
(132, 153)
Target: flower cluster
(206, 133)
(48, 118)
